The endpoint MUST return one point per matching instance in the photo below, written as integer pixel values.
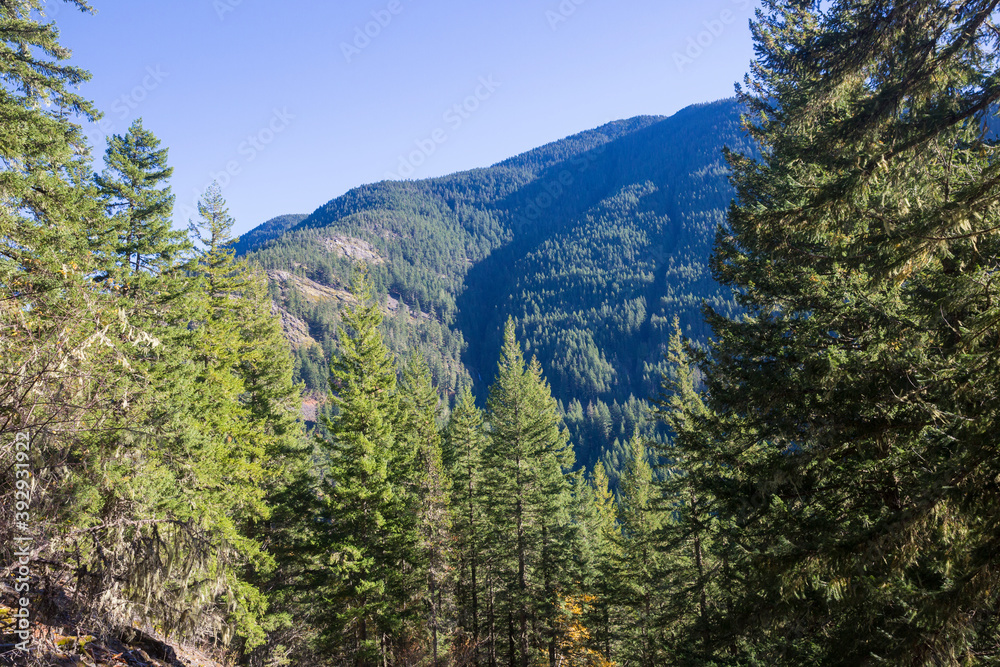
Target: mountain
(593, 244)
(267, 231)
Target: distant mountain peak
(592, 243)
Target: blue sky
(292, 103)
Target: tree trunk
(475, 586)
(549, 593)
(522, 584)
(362, 660)
(511, 641)
(491, 620)
(434, 627)
(700, 565)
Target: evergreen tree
(47, 208)
(65, 347)
(640, 559)
(529, 512)
(465, 440)
(602, 547)
(421, 408)
(164, 506)
(855, 398)
(693, 537)
(367, 552)
(138, 242)
(560, 540)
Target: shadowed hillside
(592, 243)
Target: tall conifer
(640, 558)
(369, 532)
(530, 501)
(465, 440)
(857, 396)
(421, 405)
(138, 241)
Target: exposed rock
(310, 408)
(296, 331)
(311, 290)
(354, 248)
(393, 305)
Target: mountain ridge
(592, 243)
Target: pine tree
(421, 412)
(465, 440)
(855, 397)
(367, 552)
(138, 242)
(640, 573)
(530, 511)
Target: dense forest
(592, 244)
(803, 385)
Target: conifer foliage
(152, 382)
(371, 534)
(856, 394)
(137, 242)
(825, 491)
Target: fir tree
(854, 397)
(465, 440)
(596, 520)
(138, 242)
(66, 348)
(370, 537)
(640, 557)
(608, 536)
(529, 512)
(421, 409)
(693, 537)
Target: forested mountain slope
(592, 243)
(263, 233)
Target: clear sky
(290, 103)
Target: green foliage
(137, 242)
(816, 486)
(592, 244)
(640, 560)
(421, 412)
(366, 500)
(855, 400)
(526, 463)
(465, 441)
(265, 232)
(695, 537)
(47, 206)
(155, 407)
